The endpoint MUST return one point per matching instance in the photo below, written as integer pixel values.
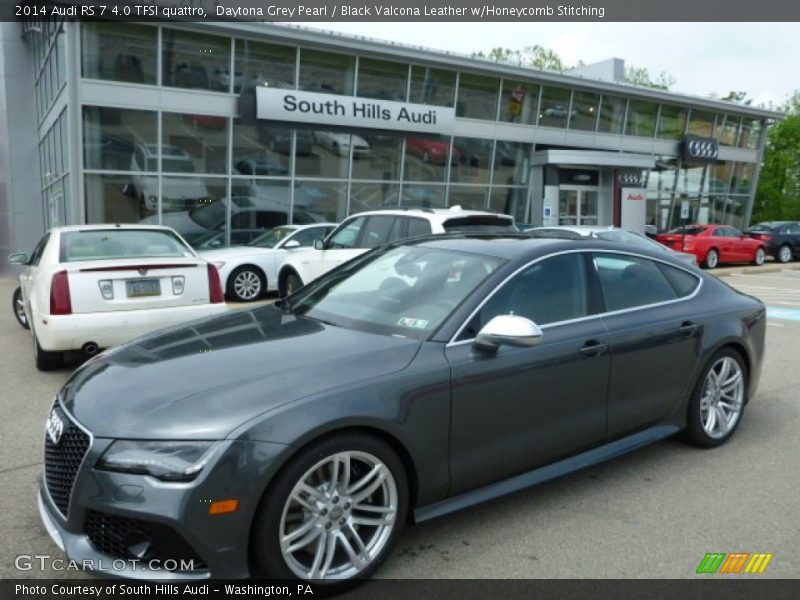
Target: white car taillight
(106, 288)
(178, 282)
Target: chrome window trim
(694, 293)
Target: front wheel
(18, 304)
(785, 254)
(712, 259)
(246, 284)
(333, 513)
(759, 257)
(718, 400)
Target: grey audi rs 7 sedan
(296, 440)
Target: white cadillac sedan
(89, 287)
(250, 271)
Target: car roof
(107, 226)
(439, 215)
(585, 230)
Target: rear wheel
(46, 360)
(785, 253)
(718, 400)
(18, 304)
(246, 283)
(759, 257)
(333, 513)
(712, 259)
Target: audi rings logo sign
(700, 149)
(54, 427)
(630, 179)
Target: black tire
(255, 275)
(45, 360)
(695, 432)
(712, 259)
(784, 254)
(268, 560)
(18, 306)
(290, 283)
(759, 257)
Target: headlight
(169, 461)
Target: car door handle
(687, 328)
(593, 348)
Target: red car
(714, 244)
(432, 151)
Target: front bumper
(219, 543)
(106, 329)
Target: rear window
(764, 227)
(479, 223)
(109, 244)
(689, 230)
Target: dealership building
(222, 130)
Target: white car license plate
(143, 287)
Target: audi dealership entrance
(223, 130)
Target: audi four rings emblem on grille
(143, 271)
(55, 428)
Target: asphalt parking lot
(654, 513)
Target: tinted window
(628, 282)
(418, 227)
(794, 228)
(689, 230)
(347, 235)
(488, 223)
(376, 231)
(105, 244)
(550, 291)
(766, 227)
(564, 234)
(682, 282)
(634, 239)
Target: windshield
(210, 216)
(628, 237)
(405, 291)
(107, 244)
(270, 238)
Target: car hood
(234, 252)
(204, 379)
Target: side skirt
(542, 474)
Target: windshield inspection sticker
(412, 323)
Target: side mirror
(291, 244)
(18, 258)
(508, 330)
(319, 245)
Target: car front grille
(127, 539)
(63, 459)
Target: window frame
(593, 284)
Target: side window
(347, 235)
(718, 232)
(376, 231)
(36, 255)
(417, 227)
(628, 282)
(306, 237)
(550, 291)
(794, 228)
(732, 233)
(682, 282)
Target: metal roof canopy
(594, 158)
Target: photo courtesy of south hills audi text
(129, 590)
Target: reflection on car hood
(203, 379)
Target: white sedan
(89, 287)
(340, 143)
(248, 272)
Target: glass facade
(224, 175)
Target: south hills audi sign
(349, 111)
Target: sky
(704, 58)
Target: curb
(772, 268)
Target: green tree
(778, 192)
(641, 76)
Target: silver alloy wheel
(785, 254)
(760, 256)
(338, 517)
(723, 396)
(247, 285)
(19, 308)
(712, 259)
